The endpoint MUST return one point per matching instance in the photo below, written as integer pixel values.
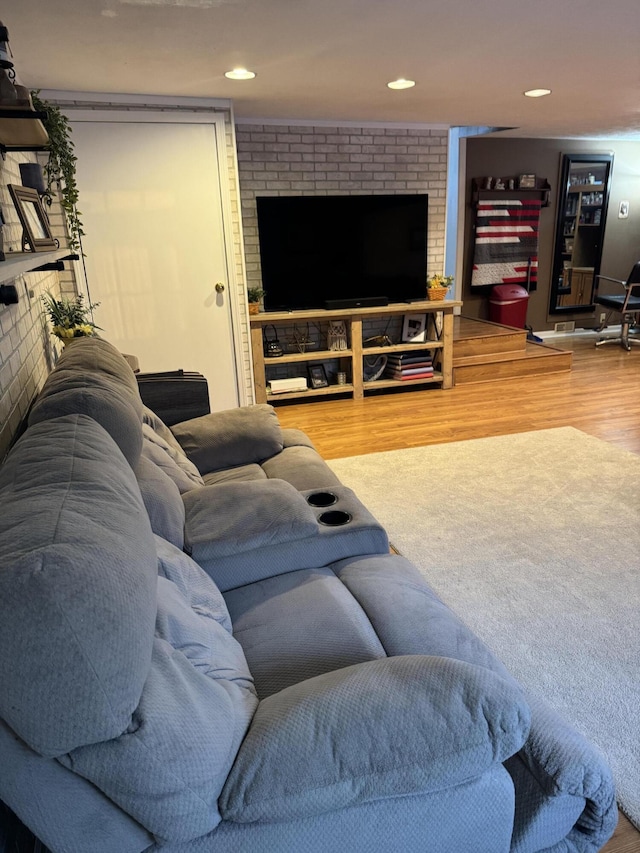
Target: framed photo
(414, 328)
(318, 376)
(33, 219)
(527, 182)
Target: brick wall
(27, 350)
(316, 160)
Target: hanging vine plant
(60, 169)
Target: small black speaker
(364, 302)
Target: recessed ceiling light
(537, 93)
(240, 74)
(401, 84)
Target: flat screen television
(319, 248)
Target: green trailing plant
(60, 169)
(70, 318)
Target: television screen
(319, 248)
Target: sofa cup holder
(321, 499)
(334, 518)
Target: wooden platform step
(477, 337)
(486, 352)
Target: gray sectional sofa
(206, 647)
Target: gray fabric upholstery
(92, 378)
(62, 809)
(230, 438)
(474, 817)
(161, 500)
(77, 581)
(296, 438)
(232, 518)
(161, 429)
(242, 472)
(326, 628)
(390, 584)
(384, 728)
(302, 467)
(172, 461)
(274, 554)
(168, 768)
(194, 584)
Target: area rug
(534, 541)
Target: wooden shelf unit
(351, 359)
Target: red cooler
(508, 305)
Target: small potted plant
(254, 295)
(438, 286)
(70, 318)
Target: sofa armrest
(231, 438)
(558, 762)
(231, 518)
(384, 728)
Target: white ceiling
(330, 60)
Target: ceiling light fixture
(401, 84)
(240, 74)
(537, 93)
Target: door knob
(219, 287)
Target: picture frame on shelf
(33, 218)
(414, 328)
(318, 376)
(527, 182)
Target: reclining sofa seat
(324, 705)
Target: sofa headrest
(78, 577)
(92, 378)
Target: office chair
(627, 304)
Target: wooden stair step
(536, 359)
(475, 337)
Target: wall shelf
(19, 263)
(22, 130)
(541, 190)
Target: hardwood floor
(600, 396)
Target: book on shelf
(409, 370)
(416, 373)
(404, 377)
(416, 365)
(404, 358)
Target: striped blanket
(506, 249)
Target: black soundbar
(365, 302)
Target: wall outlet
(603, 316)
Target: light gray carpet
(534, 541)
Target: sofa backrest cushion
(92, 378)
(230, 438)
(162, 501)
(167, 770)
(78, 573)
(171, 459)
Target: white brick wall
(27, 350)
(317, 160)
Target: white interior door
(151, 207)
